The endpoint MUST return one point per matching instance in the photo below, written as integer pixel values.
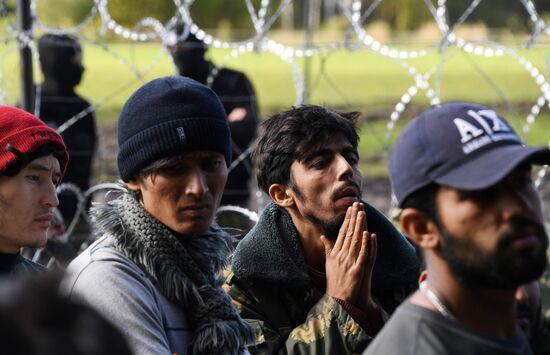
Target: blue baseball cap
(462, 145)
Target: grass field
(349, 80)
(353, 79)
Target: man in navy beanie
(154, 272)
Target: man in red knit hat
(33, 159)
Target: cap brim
(488, 168)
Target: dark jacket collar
(271, 252)
(15, 263)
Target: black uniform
(58, 103)
(235, 91)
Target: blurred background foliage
(400, 15)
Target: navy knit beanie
(168, 116)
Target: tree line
(401, 15)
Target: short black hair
(23, 159)
(290, 135)
(424, 200)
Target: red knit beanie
(26, 133)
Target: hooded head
(188, 55)
(60, 60)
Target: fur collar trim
(187, 269)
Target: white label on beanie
(181, 134)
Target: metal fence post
(24, 25)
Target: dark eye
(319, 163)
(213, 164)
(33, 178)
(520, 179)
(173, 170)
(352, 160)
(481, 196)
(522, 182)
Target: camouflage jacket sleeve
(326, 328)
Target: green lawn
(349, 80)
(360, 79)
(375, 143)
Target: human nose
(49, 197)
(345, 169)
(196, 183)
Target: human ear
(419, 228)
(280, 195)
(135, 187)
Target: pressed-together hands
(350, 260)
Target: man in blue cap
(463, 179)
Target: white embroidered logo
(491, 129)
(181, 134)
(467, 130)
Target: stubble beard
(330, 227)
(492, 270)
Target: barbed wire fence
(148, 29)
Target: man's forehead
(46, 163)
(336, 144)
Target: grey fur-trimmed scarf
(186, 269)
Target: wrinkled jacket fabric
(127, 297)
(151, 284)
(270, 286)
